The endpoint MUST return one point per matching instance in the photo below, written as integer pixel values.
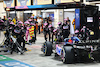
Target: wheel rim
(45, 49)
(63, 55)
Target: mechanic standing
(66, 29)
(39, 20)
(46, 31)
(35, 22)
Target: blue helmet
(47, 15)
(35, 17)
(40, 15)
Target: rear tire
(67, 55)
(47, 48)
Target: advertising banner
(22, 4)
(9, 3)
(42, 2)
(91, 0)
(66, 1)
(9, 62)
(77, 18)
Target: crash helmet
(11, 23)
(65, 19)
(26, 22)
(83, 29)
(9, 18)
(20, 23)
(48, 16)
(54, 30)
(76, 31)
(60, 23)
(32, 24)
(1, 20)
(84, 26)
(45, 24)
(35, 17)
(49, 26)
(32, 17)
(29, 20)
(17, 29)
(70, 41)
(40, 15)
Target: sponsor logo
(16, 64)
(58, 50)
(89, 41)
(2, 65)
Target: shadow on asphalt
(56, 58)
(81, 64)
(5, 54)
(78, 64)
(42, 55)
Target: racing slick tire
(47, 48)
(67, 55)
(96, 54)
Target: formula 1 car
(81, 48)
(74, 50)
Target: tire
(47, 48)
(96, 55)
(67, 55)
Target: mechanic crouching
(19, 32)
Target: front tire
(47, 48)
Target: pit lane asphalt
(36, 58)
